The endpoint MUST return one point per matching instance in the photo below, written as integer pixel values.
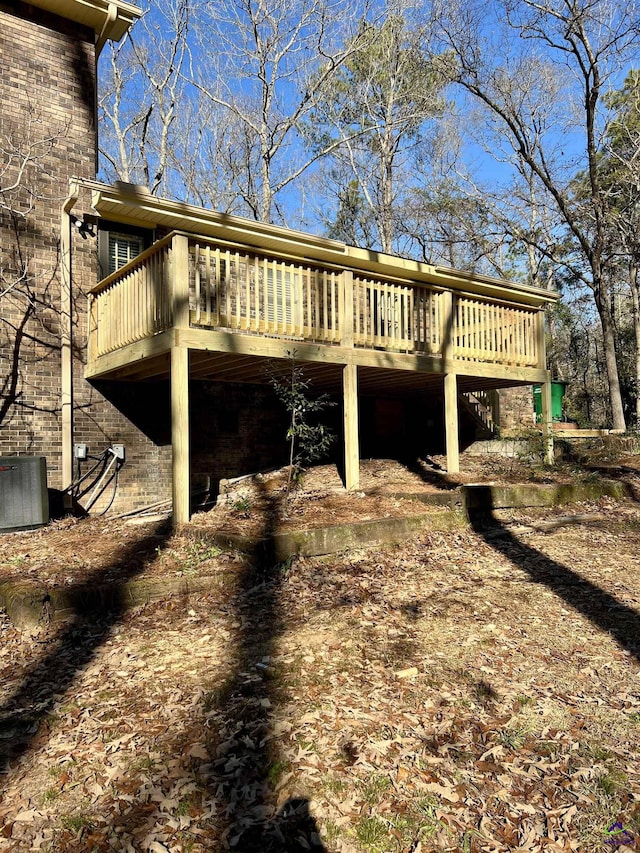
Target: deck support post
(180, 462)
(180, 434)
(451, 422)
(547, 423)
(545, 392)
(351, 443)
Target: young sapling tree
(308, 441)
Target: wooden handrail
(132, 264)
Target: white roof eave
(94, 14)
(133, 205)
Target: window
(122, 249)
(282, 304)
(118, 244)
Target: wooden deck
(240, 305)
(199, 307)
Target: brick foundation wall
(516, 410)
(235, 429)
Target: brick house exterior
(47, 91)
(48, 116)
(388, 402)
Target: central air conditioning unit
(24, 500)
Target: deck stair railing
(483, 407)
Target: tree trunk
(634, 284)
(609, 345)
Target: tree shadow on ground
(23, 715)
(246, 764)
(240, 777)
(601, 608)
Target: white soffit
(93, 14)
(135, 206)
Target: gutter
(107, 28)
(66, 333)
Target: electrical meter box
(24, 500)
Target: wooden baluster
(148, 296)
(163, 318)
(121, 317)
(281, 297)
(532, 340)
(494, 333)
(316, 306)
(154, 282)
(107, 302)
(226, 310)
(450, 314)
(492, 328)
(198, 286)
(145, 298)
(91, 327)
(473, 329)
(137, 301)
(128, 293)
(335, 308)
(269, 304)
(433, 319)
(247, 295)
(377, 309)
(541, 356)
(306, 305)
(255, 272)
(296, 299)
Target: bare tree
(376, 112)
(266, 63)
(142, 97)
(621, 167)
(543, 95)
(26, 298)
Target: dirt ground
(73, 551)
(471, 691)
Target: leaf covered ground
(477, 690)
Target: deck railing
(261, 295)
(132, 303)
(489, 331)
(255, 293)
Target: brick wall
(47, 98)
(516, 410)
